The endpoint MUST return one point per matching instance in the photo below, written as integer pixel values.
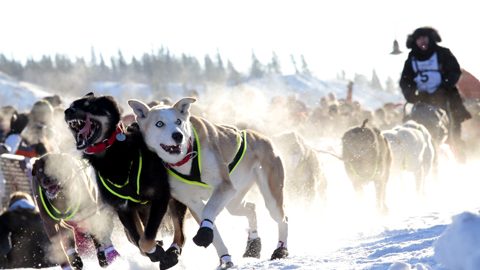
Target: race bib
(428, 77)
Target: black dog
(437, 122)
(433, 118)
(367, 157)
(130, 177)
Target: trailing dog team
(172, 160)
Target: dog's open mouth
(52, 191)
(86, 131)
(172, 149)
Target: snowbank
(459, 245)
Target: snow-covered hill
(20, 94)
(311, 89)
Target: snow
(20, 94)
(311, 89)
(439, 231)
(459, 245)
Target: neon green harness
(195, 176)
(117, 189)
(53, 212)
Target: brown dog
(73, 216)
(367, 157)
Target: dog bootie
(157, 254)
(204, 236)
(171, 257)
(107, 256)
(74, 259)
(254, 247)
(279, 253)
(225, 262)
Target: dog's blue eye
(178, 122)
(159, 124)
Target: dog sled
(14, 176)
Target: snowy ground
(345, 232)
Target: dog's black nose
(177, 137)
(47, 181)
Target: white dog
(218, 164)
(412, 150)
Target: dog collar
(187, 157)
(118, 135)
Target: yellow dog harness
(119, 189)
(53, 212)
(195, 175)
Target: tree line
(63, 74)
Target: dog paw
(204, 237)
(75, 261)
(225, 262)
(158, 254)
(107, 256)
(146, 245)
(227, 265)
(170, 259)
(254, 247)
(279, 253)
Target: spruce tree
(274, 65)
(256, 69)
(305, 70)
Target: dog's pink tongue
(86, 129)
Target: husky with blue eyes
(212, 167)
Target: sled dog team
(170, 160)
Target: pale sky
(335, 35)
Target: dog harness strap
(117, 190)
(186, 179)
(198, 149)
(241, 152)
(195, 175)
(53, 212)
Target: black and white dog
(129, 176)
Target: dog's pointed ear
(89, 94)
(139, 108)
(36, 166)
(183, 105)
